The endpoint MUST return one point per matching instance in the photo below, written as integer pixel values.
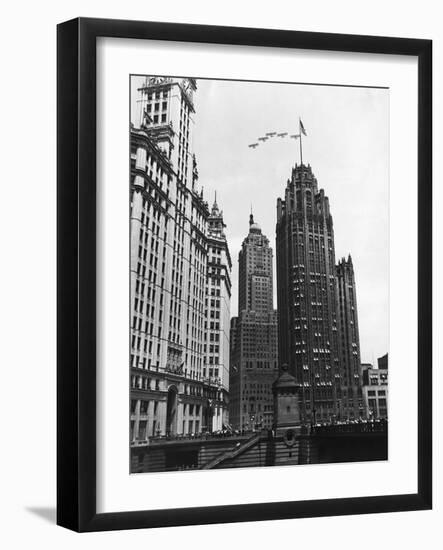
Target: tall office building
(170, 231)
(351, 404)
(306, 291)
(218, 300)
(254, 365)
(255, 272)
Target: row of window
(157, 94)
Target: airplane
(263, 139)
(283, 134)
(295, 136)
(253, 145)
(271, 134)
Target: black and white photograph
(259, 273)
(226, 224)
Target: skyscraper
(254, 335)
(351, 404)
(218, 300)
(306, 291)
(255, 272)
(171, 273)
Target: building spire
(251, 217)
(215, 210)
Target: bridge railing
(203, 435)
(363, 426)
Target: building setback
(308, 297)
(254, 365)
(170, 393)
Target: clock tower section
(166, 109)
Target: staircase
(232, 453)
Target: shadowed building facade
(254, 365)
(171, 270)
(309, 300)
(351, 404)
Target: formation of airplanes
(268, 135)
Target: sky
(347, 146)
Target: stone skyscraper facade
(171, 271)
(255, 278)
(254, 360)
(218, 316)
(351, 405)
(310, 328)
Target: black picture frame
(76, 274)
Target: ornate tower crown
(254, 227)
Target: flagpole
(301, 148)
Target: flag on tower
(302, 128)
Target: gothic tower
(351, 405)
(306, 294)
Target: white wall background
(27, 287)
